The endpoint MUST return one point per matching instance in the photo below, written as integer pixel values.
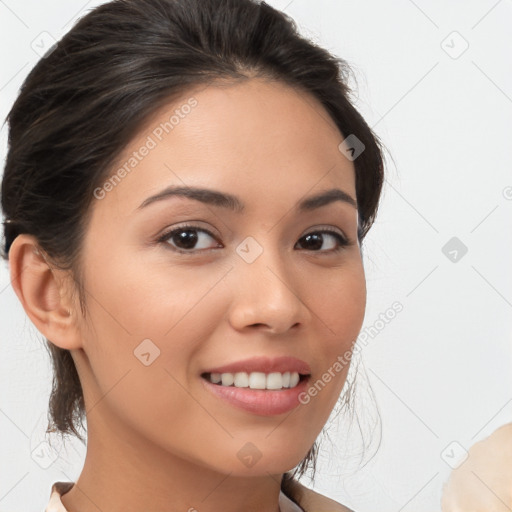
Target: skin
(157, 440)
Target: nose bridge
(266, 287)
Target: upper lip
(265, 365)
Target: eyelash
(342, 242)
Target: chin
(251, 461)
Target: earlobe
(40, 287)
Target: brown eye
(315, 240)
(185, 239)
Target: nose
(267, 295)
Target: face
(230, 284)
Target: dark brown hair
(87, 97)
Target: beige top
(309, 500)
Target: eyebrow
(231, 202)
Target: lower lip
(265, 402)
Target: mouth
(263, 394)
(273, 381)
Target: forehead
(256, 138)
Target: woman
(186, 191)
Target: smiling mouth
(273, 381)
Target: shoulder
(312, 501)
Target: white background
(441, 369)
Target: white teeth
(241, 380)
(256, 380)
(227, 379)
(274, 381)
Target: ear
(44, 292)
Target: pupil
(318, 239)
(187, 241)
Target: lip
(264, 364)
(264, 402)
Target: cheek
(143, 380)
(339, 304)
(338, 308)
(144, 297)
(145, 326)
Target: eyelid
(322, 227)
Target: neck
(125, 472)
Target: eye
(185, 238)
(316, 239)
